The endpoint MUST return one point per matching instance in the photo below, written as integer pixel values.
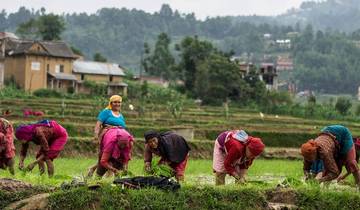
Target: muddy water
(206, 179)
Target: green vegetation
(48, 27)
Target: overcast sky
(201, 8)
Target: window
(111, 78)
(82, 77)
(48, 67)
(57, 68)
(59, 84)
(35, 66)
(61, 68)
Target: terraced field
(270, 181)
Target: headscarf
(110, 141)
(150, 134)
(255, 145)
(112, 99)
(308, 149)
(26, 132)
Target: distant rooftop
(7, 35)
(92, 67)
(53, 48)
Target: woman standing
(49, 135)
(7, 148)
(234, 152)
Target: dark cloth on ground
(139, 182)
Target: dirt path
(281, 199)
(39, 201)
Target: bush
(13, 92)
(96, 88)
(343, 105)
(46, 93)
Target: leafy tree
(99, 57)
(50, 27)
(28, 30)
(161, 62)
(76, 51)
(343, 105)
(47, 27)
(192, 52)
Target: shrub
(45, 93)
(343, 105)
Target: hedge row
(199, 197)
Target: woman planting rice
(172, 149)
(335, 147)
(7, 148)
(115, 142)
(234, 152)
(115, 151)
(51, 137)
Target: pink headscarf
(110, 141)
(26, 132)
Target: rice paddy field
(274, 180)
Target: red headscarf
(308, 149)
(256, 146)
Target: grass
(197, 171)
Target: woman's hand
(21, 164)
(30, 167)
(148, 167)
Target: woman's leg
(351, 165)
(218, 164)
(50, 167)
(179, 169)
(220, 178)
(41, 166)
(10, 164)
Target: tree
(217, 79)
(343, 105)
(192, 53)
(99, 57)
(50, 27)
(47, 27)
(160, 62)
(28, 30)
(76, 51)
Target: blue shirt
(317, 166)
(107, 117)
(343, 136)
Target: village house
(109, 74)
(153, 80)
(284, 64)
(245, 68)
(34, 65)
(38, 64)
(269, 76)
(3, 37)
